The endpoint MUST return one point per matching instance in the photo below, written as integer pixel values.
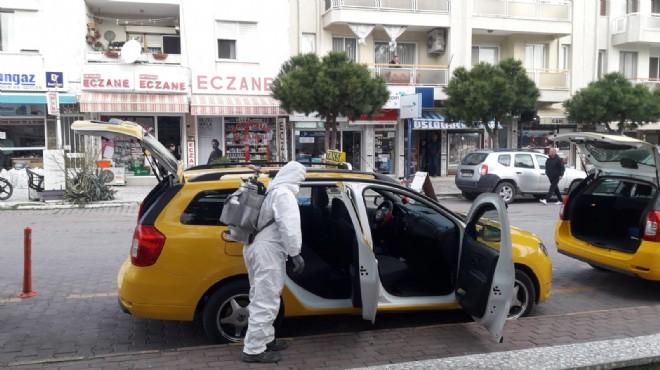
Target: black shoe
(277, 345)
(265, 357)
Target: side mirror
(490, 233)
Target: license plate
(466, 174)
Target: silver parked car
(509, 172)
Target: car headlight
(543, 248)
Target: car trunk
(611, 213)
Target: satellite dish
(131, 51)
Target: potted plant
(112, 54)
(160, 56)
(90, 39)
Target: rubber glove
(298, 264)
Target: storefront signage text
(219, 84)
(436, 125)
(281, 140)
(97, 81)
(152, 82)
(19, 79)
(191, 153)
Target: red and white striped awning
(123, 102)
(235, 105)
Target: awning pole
(407, 172)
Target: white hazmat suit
(265, 257)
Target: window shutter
(247, 42)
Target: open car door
(162, 159)
(365, 268)
(484, 285)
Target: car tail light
(562, 208)
(147, 244)
(484, 170)
(651, 227)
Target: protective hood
(290, 176)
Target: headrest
(339, 209)
(643, 190)
(322, 200)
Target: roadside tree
(332, 86)
(614, 99)
(489, 95)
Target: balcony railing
(435, 6)
(556, 10)
(652, 83)
(412, 74)
(548, 79)
(102, 57)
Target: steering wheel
(383, 214)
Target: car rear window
(206, 207)
(474, 158)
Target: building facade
(194, 71)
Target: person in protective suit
(265, 259)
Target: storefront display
(384, 151)
(128, 154)
(249, 139)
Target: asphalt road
(76, 254)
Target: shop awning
(552, 116)
(235, 105)
(34, 98)
(120, 102)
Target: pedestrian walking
(554, 169)
(265, 259)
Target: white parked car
(509, 173)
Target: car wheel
(524, 296)
(470, 196)
(225, 316)
(507, 191)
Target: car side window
(524, 161)
(304, 195)
(540, 159)
(504, 159)
(206, 207)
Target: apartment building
(194, 71)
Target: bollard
(27, 264)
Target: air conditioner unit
(437, 40)
(114, 175)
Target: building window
(564, 57)
(346, 44)
(602, 63)
(237, 40)
(308, 43)
(655, 7)
(535, 56)
(628, 64)
(632, 6)
(485, 54)
(405, 51)
(603, 8)
(654, 69)
(226, 49)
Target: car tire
(524, 296)
(470, 196)
(230, 303)
(506, 191)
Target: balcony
(422, 13)
(553, 84)
(652, 83)
(636, 29)
(148, 58)
(412, 75)
(545, 17)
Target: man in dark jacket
(554, 169)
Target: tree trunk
(326, 142)
(621, 126)
(492, 134)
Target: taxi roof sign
(335, 156)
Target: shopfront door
(351, 145)
(384, 147)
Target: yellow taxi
(370, 245)
(611, 220)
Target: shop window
(128, 154)
(384, 151)
(249, 139)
